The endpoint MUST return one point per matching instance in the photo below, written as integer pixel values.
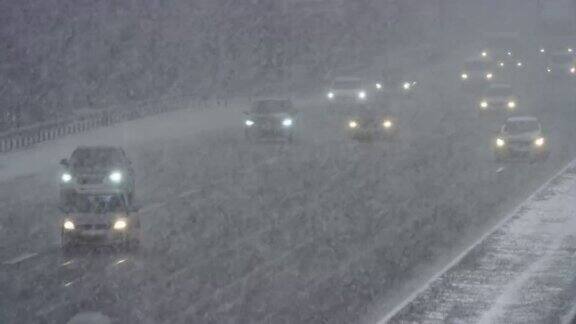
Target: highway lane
(262, 224)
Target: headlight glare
(66, 177)
(464, 76)
(362, 95)
(489, 76)
(387, 124)
(500, 142)
(330, 95)
(573, 70)
(484, 104)
(512, 104)
(69, 225)
(120, 224)
(540, 141)
(287, 122)
(378, 86)
(353, 124)
(249, 123)
(116, 177)
(406, 85)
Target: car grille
(90, 180)
(267, 123)
(520, 143)
(94, 227)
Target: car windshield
(347, 85)
(271, 106)
(499, 92)
(519, 127)
(477, 66)
(97, 204)
(98, 157)
(562, 59)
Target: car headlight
(66, 177)
(512, 104)
(548, 70)
(387, 124)
(353, 124)
(362, 95)
(489, 76)
(120, 224)
(509, 53)
(500, 142)
(484, 104)
(464, 76)
(501, 64)
(330, 95)
(287, 122)
(570, 50)
(542, 50)
(573, 70)
(540, 141)
(484, 54)
(116, 176)
(519, 64)
(69, 225)
(406, 85)
(249, 123)
(378, 86)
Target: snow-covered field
(322, 230)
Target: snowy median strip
(526, 244)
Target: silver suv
(99, 219)
(521, 137)
(96, 169)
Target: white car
(503, 47)
(347, 90)
(498, 97)
(478, 71)
(561, 64)
(99, 219)
(270, 119)
(521, 137)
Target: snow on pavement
(520, 273)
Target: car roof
(522, 119)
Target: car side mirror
(64, 162)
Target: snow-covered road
(236, 232)
(523, 272)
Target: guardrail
(27, 136)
